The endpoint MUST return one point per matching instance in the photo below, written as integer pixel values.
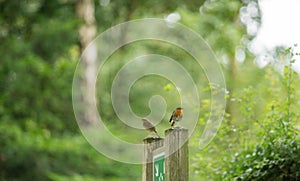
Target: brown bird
(149, 126)
(176, 116)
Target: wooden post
(176, 150)
(150, 145)
(171, 154)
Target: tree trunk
(85, 10)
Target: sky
(280, 26)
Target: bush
(36, 154)
(277, 156)
(277, 160)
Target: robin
(149, 126)
(176, 116)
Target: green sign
(159, 167)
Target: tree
(85, 10)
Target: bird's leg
(172, 124)
(157, 135)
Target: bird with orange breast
(149, 126)
(176, 116)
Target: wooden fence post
(150, 145)
(166, 160)
(177, 160)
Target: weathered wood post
(176, 149)
(150, 146)
(166, 159)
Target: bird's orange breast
(178, 113)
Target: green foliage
(262, 144)
(37, 66)
(41, 87)
(277, 156)
(39, 138)
(273, 160)
(37, 154)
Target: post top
(176, 129)
(151, 139)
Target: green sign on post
(159, 167)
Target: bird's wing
(148, 124)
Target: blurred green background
(40, 46)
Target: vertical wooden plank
(150, 145)
(176, 148)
